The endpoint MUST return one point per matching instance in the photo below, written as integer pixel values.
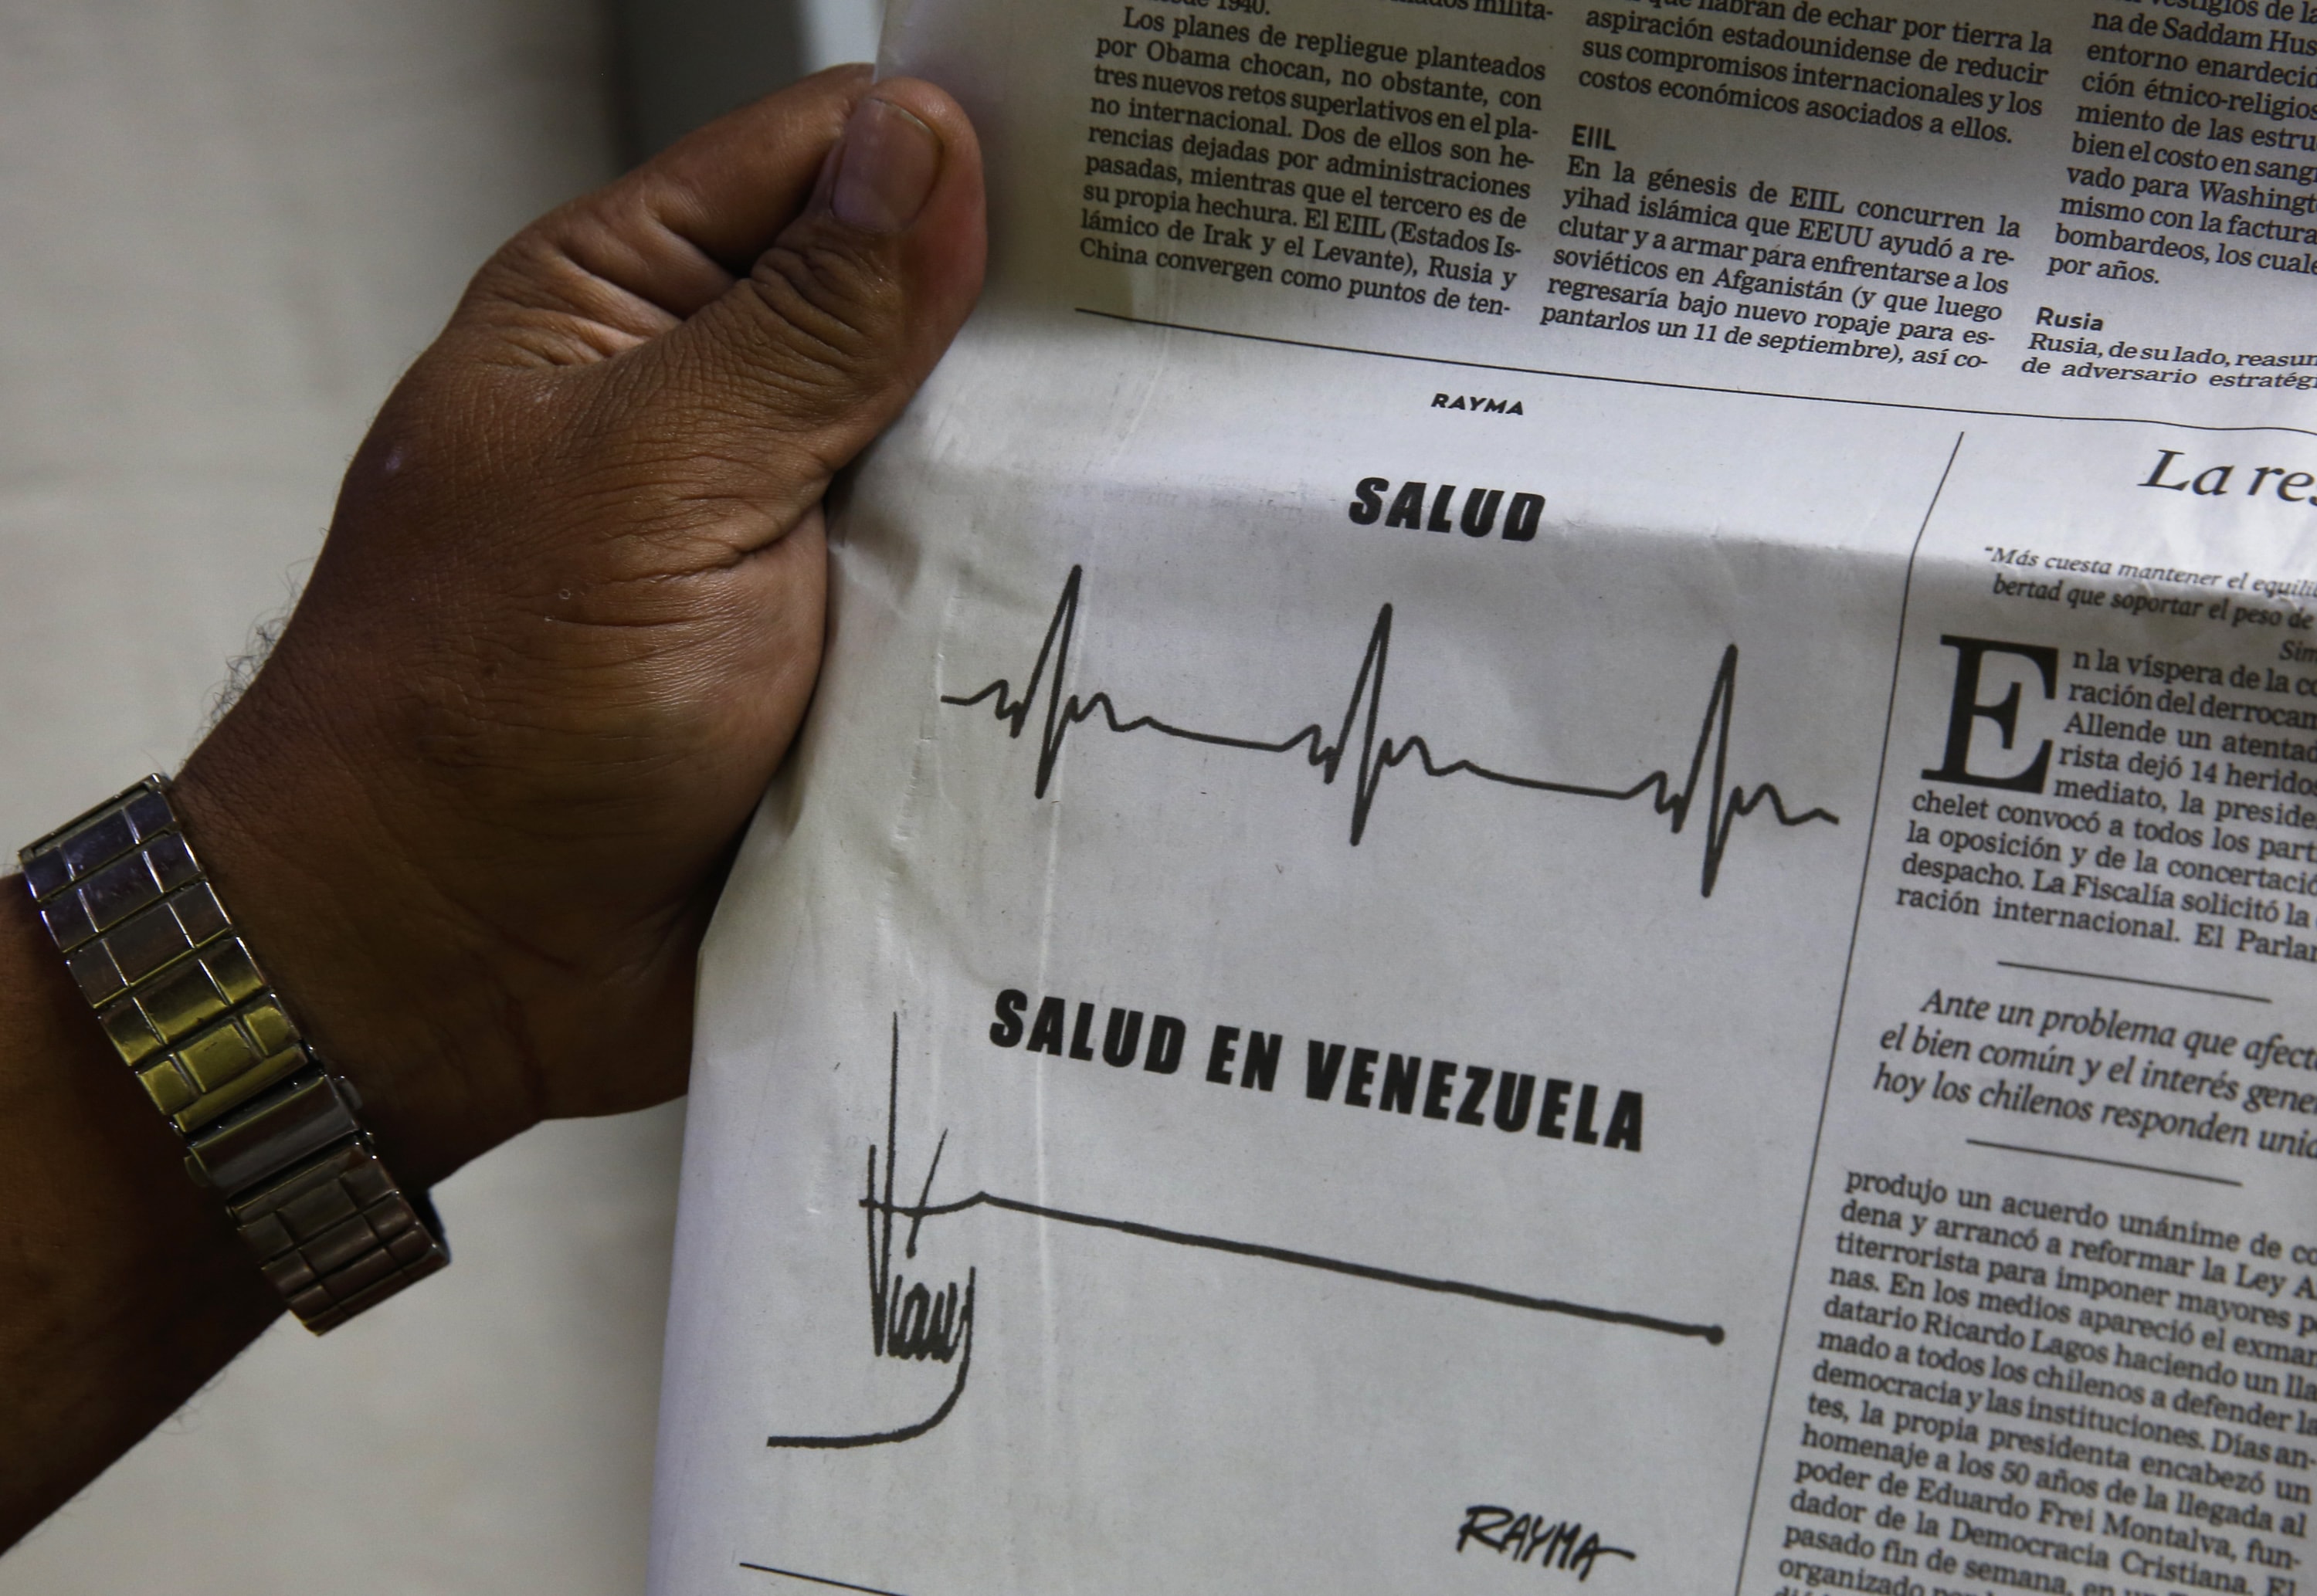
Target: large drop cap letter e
(1970, 654)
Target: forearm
(126, 1287)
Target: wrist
(475, 945)
(100, 1154)
(389, 978)
(268, 1124)
(125, 1285)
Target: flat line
(814, 1579)
(1694, 387)
(2053, 970)
(1712, 1334)
(2147, 1169)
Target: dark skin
(474, 813)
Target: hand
(475, 810)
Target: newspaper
(1563, 828)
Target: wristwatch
(265, 1122)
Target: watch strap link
(264, 1120)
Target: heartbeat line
(917, 1324)
(1065, 710)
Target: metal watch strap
(265, 1122)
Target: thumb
(807, 357)
(744, 312)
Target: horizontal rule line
(2146, 1169)
(2053, 970)
(1693, 387)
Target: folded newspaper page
(1562, 829)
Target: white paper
(1638, 1102)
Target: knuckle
(831, 313)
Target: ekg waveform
(1379, 756)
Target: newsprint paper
(1562, 832)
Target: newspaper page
(1563, 828)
